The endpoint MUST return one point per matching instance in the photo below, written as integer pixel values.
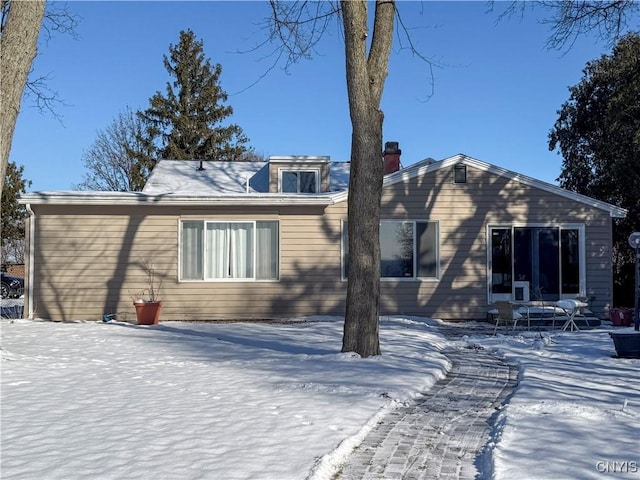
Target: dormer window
(299, 174)
(299, 181)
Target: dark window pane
(548, 263)
(397, 259)
(307, 182)
(537, 260)
(396, 249)
(460, 173)
(290, 182)
(501, 260)
(546, 257)
(427, 247)
(570, 261)
(523, 254)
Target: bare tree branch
(109, 161)
(45, 99)
(59, 19)
(416, 52)
(568, 20)
(298, 26)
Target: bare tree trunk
(365, 83)
(18, 47)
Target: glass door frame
(492, 297)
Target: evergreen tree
(13, 214)
(188, 122)
(598, 135)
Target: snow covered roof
(192, 177)
(186, 177)
(191, 182)
(183, 182)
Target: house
(267, 240)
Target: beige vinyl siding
(464, 211)
(87, 258)
(308, 285)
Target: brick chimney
(391, 157)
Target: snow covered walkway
(442, 434)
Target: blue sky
(495, 95)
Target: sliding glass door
(549, 260)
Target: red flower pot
(621, 317)
(148, 313)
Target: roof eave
(130, 198)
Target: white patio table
(572, 308)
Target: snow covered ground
(279, 401)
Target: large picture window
(212, 250)
(549, 259)
(408, 249)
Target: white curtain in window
(240, 250)
(267, 250)
(230, 250)
(217, 240)
(192, 250)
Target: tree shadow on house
(313, 284)
(463, 211)
(99, 264)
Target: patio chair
(506, 314)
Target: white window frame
(298, 169)
(582, 246)
(414, 278)
(255, 252)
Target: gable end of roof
(424, 167)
